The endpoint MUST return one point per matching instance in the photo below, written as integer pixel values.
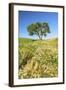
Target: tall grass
(38, 58)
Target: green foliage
(38, 58)
(39, 29)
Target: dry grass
(37, 58)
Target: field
(38, 58)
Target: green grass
(38, 58)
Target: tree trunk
(40, 37)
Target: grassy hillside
(38, 58)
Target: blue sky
(28, 17)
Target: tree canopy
(39, 29)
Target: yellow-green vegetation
(38, 58)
